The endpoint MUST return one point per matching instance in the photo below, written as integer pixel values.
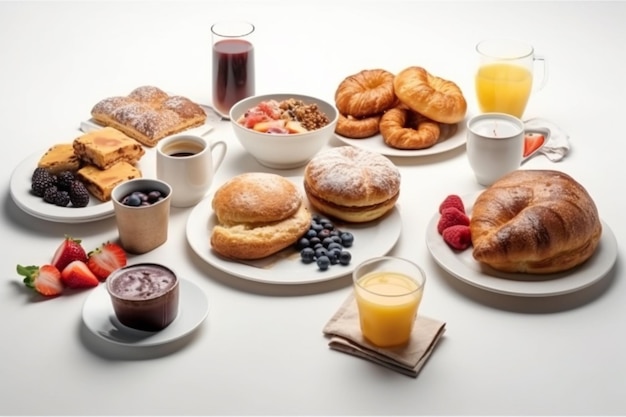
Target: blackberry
(38, 172)
(79, 196)
(64, 180)
(42, 182)
(50, 195)
(62, 199)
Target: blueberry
(345, 257)
(334, 245)
(303, 243)
(323, 234)
(132, 200)
(307, 255)
(347, 239)
(323, 263)
(319, 252)
(154, 196)
(327, 241)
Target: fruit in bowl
(283, 131)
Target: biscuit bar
(60, 157)
(148, 114)
(100, 182)
(106, 147)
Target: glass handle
(544, 72)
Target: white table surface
(261, 349)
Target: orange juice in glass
(504, 79)
(388, 292)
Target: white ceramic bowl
(283, 151)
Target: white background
(261, 350)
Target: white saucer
(372, 239)
(100, 319)
(462, 266)
(377, 144)
(20, 189)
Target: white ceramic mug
(186, 162)
(495, 145)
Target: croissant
(536, 222)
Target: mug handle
(544, 73)
(222, 153)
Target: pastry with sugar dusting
(258, 214)
(148, 114)
(352, 184)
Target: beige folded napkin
(344, 332)
(558, 144)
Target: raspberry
(452, 200)
(452, 216)
(458, 237)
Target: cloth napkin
(344, 332)
(558, 144)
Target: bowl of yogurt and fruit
(283, 131)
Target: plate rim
(570, 281)
(203, 210)
(98, 301)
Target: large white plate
(377, 144)
(99, 317)
(20, 188)
(462, 265)
(372, 239)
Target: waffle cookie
(100, 182)
(148, 114)
(106, 147)
(60, 157)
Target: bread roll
(352, 184)
(258, 214)
(536, 222)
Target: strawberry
(45, 279)
(458, 237)
(452, 216)
(452, 200)
(532, 142)
(78, 275)
(106, 259)
(69, 250)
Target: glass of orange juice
(388, 291)
(504, 79)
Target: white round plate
(372, 239)
(462, 266)
(377, 144)
(20, 184)
(99, 317)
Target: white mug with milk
(495, 145)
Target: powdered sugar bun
(352, 184)
(256, 197)
(258, 215)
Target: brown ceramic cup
(144, 296)
(142, 228)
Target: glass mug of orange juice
(504, 79)
(388, 292)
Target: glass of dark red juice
(233, 64)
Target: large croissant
(534, 221)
